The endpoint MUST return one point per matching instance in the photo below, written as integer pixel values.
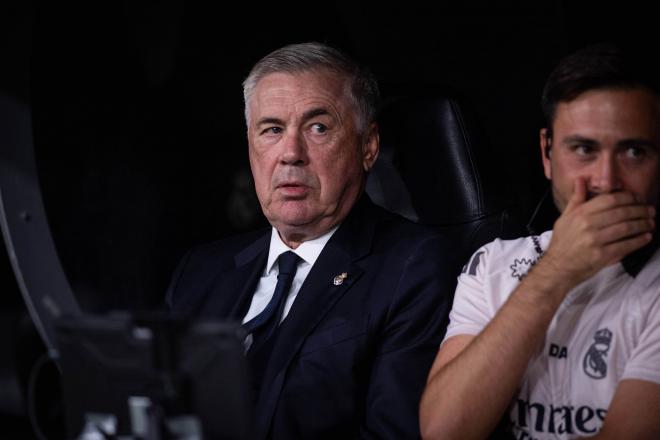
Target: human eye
(635, 152)
(583, 150)
(318, 128)
(271, 130)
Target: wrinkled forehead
(604, 109)
(310, 85)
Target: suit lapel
(316, 297)
(230, 297)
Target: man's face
(307, 155)
(610, 137)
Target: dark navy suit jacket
(351, 360)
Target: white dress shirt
(308, 251)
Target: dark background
(138, 114)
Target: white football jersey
(606, 329)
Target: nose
(606, 177)
(294, 149)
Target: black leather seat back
(435, 168)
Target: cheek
(339, 175)
(645, 185)
(567, 171)
(261, 173)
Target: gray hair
(296, 58)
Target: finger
(604, 202)
(615, 252)
(579, 195)
(625, 230)
(621, 214)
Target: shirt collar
(309, 250)
(633, 263)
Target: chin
(294, 216)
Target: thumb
(579, 195)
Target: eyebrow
(579, 140)
(638, 142)
(632, 142)
(264, 121)
(319, 111)
(309, 114)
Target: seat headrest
(431, 163)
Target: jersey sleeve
(470, 311)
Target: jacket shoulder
(200, 266)
(226, 248)
(394, 230)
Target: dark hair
(598, 66)
(363, 88)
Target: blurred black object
(153, 377)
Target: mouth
(292, 189)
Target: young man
(562, 330)
(347, 350)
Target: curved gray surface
(30, 246)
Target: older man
(345, 303)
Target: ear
(546, 153)
(370, 147)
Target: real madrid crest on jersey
(595, 360)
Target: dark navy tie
(264, 324)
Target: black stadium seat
(433, 169)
